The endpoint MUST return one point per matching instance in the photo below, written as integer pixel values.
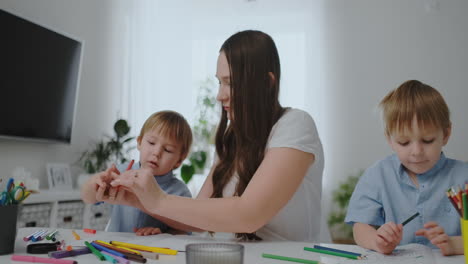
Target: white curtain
(171, 46)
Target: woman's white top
(299, 220)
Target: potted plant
(341, 232)
(110, 149)
(204, 130)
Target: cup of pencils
(464, 228)
(9, 216)
(10, 198)
(459, 199)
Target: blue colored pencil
(338, 250)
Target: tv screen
(39, 76)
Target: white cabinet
(62, 209)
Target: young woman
(266, 180)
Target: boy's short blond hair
(414, 99)
(170, 124)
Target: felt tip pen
(128, 254)
(117, 258)
(38, 236)
(89, 231)
(77, 237)
(42, 260)
(69, 253)
(146, 248)
(27, 238)
(116, 248)
(52, 235)
(96, 252)
(101, 248)
(109, 258)
(130, 165)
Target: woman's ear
(272, 78)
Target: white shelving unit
(62, 209)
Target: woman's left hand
(140, 183)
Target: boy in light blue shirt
(414, 179)
(164, 142)
(130, 219)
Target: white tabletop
(253, 250)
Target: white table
(253, 250)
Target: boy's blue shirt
(125, 218)
(385, 193)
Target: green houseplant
(341, 232)
(110, 149)
(204, 130)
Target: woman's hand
(140, 183)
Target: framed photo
(59, 176)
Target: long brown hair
(254, 77)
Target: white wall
(92, 22)
(367, 48)
(372, 46)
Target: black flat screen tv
(39, 79)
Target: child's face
(159, 153)
(419, 150)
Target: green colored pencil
(298, 260)
(332, 253)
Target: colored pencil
(332, 253)
(298, 260)
(465, 206)
(454, 203)
(409, 219)
(338, 250)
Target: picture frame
(59, 176)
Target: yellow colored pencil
(145, 248)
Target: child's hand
(147, 231)
(122, 196)
(141, 183)
(436, 234)
(95, 187)
(388, 236)
(102, 181)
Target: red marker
(89, 231)
(130, 165)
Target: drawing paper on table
(407, 254)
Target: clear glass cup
(214, 253)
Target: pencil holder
(464, 228)
(9, 216)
